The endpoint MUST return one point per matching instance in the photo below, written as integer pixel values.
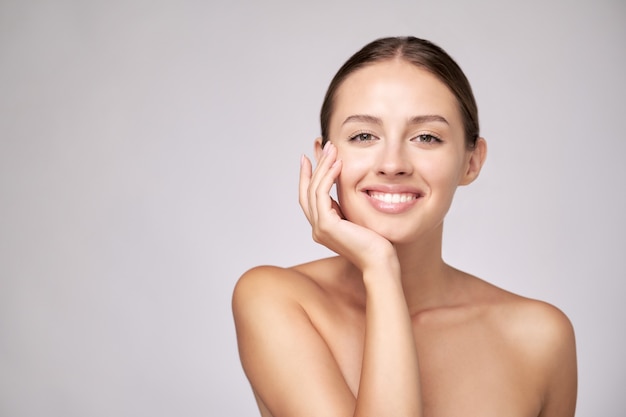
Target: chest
(467, 367)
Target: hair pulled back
(421, 53)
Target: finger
(305, 181)
(322, 164)
(315, 198)
(325, 203)
(321, 182)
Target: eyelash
(355, 137)
(431, 138)
(424, 138)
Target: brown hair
(420, 53)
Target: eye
(362, 137)
(427, 138)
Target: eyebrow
(365, 118)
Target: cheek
(354, 169)
(354, 166)
(442, 171)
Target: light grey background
(149, 155)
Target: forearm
(390, 384)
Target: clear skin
(387, 328)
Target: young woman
(387, 328)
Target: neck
(425, 276)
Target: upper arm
(289, 365)
(557, 358)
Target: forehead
(394, 88)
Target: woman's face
(399, 132)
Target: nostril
(392, 172)
(393, 161)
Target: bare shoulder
(266, 282)
(283, 355)
(309, 284)
(537, 327)
(543, 340)
(540, 328)
(264, 292)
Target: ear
(317, 149)
(475, 160)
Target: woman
(387, 328)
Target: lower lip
(391, 208)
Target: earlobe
(475, 162)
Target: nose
(394, 160)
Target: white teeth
(393, 198)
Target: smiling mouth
(393, 197)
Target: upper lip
(392, 189)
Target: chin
(399, 239)
(397, 234)
(403, 231)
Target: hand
(361, 246)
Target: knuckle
(319, 192)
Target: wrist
(384, 269)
